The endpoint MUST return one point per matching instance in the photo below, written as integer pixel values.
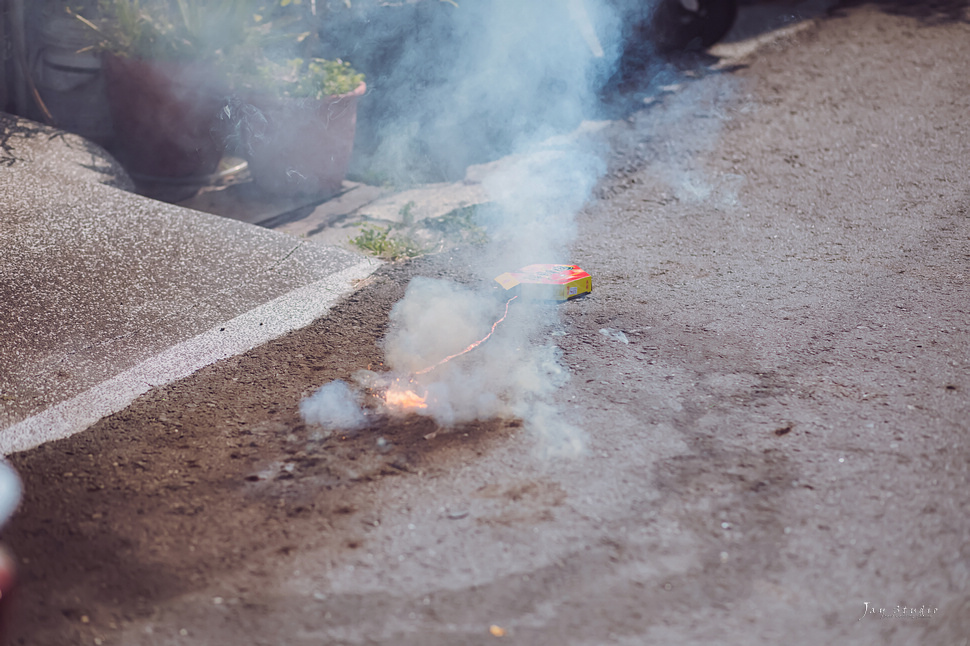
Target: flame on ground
(404, 399)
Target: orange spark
(473, 345)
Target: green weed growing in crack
(459, 225)
(379, 241)
(409, 238)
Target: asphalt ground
(770, 377)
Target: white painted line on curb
(291, 311)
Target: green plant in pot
(165, 87)
(297, 123)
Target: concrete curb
(286, 313)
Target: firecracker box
(552, 282)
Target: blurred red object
(10, 492)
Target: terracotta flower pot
(300, 146)
(165, 116)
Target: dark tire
(692, 24)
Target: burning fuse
(552, 282)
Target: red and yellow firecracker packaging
(553, 282)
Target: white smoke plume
(484, 79)
(504, 377)
(522, 86)
(335, 406)
(511, 375)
